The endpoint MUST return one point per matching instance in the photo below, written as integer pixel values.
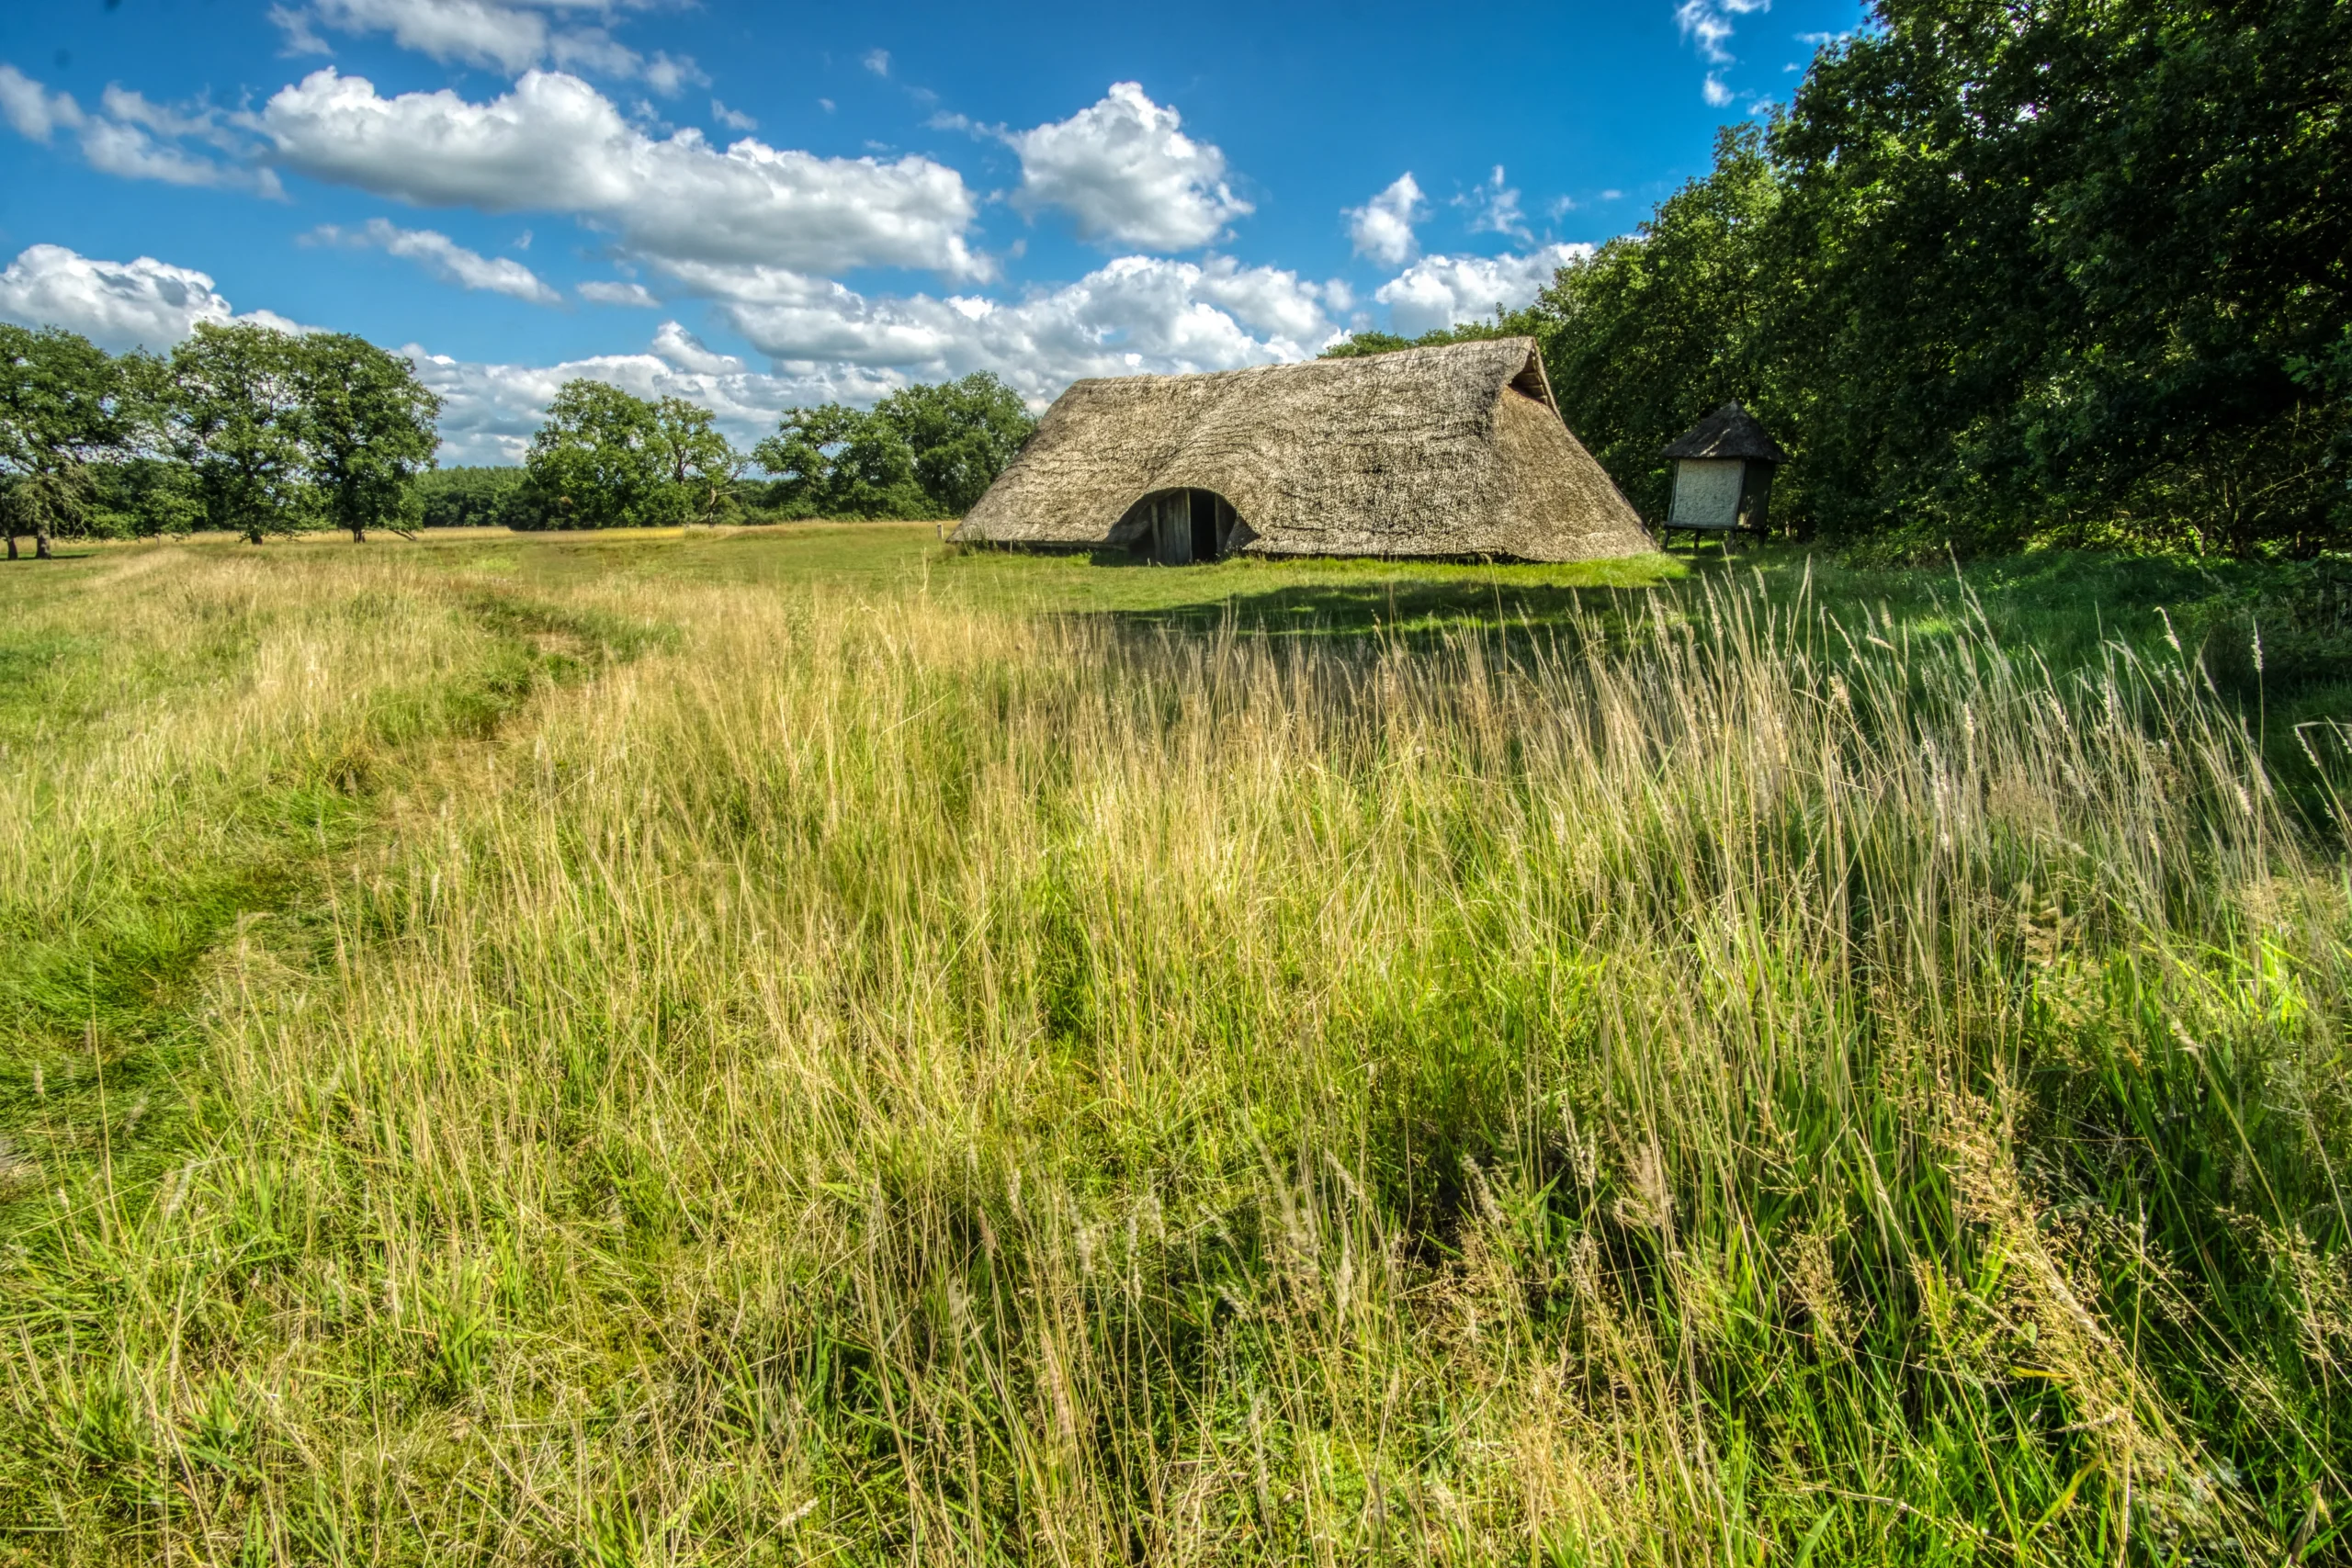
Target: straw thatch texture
(1450, 451)
(1729, 432)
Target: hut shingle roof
(1450, 451)
(1729, 432)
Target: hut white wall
(1706, 492)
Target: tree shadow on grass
(1406, 611)
(1396, 612)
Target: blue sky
(756, 206)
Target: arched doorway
(1180, 526)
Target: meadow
(804, 1045)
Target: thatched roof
(1450, 451)
(1729, 432)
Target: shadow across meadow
(1398, 611)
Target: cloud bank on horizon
(817, 262)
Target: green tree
(366, 430)
(234, 397)
(2076, 255)
(698, 463)
(62, 408)
(801, 455)
(923, 451)
(1662, 325)
(836, 461)
(598, 462)
(143, 496)
(960, 435)
(1365, 344)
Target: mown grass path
(163, 805)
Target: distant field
(800, 1043)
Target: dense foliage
(1361, 345)
(235, 416)
(243, 428)
(2007, 273)
(466, 496)
(923, 451)
(61, 407)
(607, 459)
(368, 428)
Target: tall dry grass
(874, 1080)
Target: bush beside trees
(142, 497)
(1361, 345)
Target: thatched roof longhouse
(1456, 451)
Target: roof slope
(1450, 451)
(1729, 432)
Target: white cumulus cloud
(117, 305)
(554, 143)
(506, 34)
(825, 342)
(135, 139)
(604, 291)
(684, 351)
(1443, 291)
(1382, 228)
(447, 259)
(1494, 207)
(1124, 170)
(1135, 314)
(1709, 24)
(488, 411)
(33, 109)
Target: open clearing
(798, 1044)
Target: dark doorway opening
(1208, 535)
(1182, 526)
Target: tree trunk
(41, 543)
(12, 543)
(358, 534)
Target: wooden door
(1171, 528)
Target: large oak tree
(61, 408)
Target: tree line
(260, 432)
(605, 458)
(240, 427)
(2007, 272)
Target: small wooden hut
(1722, 473)
(1450, 452)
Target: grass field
(802, 1045)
